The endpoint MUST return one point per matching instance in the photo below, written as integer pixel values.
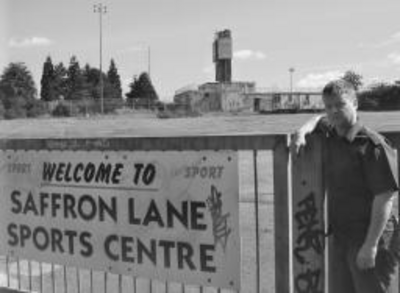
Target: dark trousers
(346, 277)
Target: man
(362, 181)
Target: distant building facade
(243, 97)
(287, 102)
(217, 97)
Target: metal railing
(266, 187)
(281, 186)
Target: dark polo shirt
(358, 168)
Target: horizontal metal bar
(19, 274)
(8, 270)
(207, 142)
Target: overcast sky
(319, 38)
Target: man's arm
(299, 137)
(380, 213)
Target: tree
(112, 97)
(92, 80)
(142, 91)
(114, 80)
(75, 80)
(353, 78)
(2, 109)
(19, 90)
(17, 78)
(60, 81)
(380, 97)
(47, 82)
(147, 89)
(91, 75)
(134, 92)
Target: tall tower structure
(222, 56)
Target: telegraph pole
(101, 9)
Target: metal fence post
(308, 219)
(256, 201)
(282, 215)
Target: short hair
(338, 88)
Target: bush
(2, 110)
(173, 110)
(61, 110)
(382, 97)
(15, 113)
(36, 108)
(367, 103)
(111, 105)
(15, 107)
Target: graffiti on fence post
(308, 218)
(308, 282)
(309, 240)
(310, 237)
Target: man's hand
(299, 136)
(380, 213)
(298, 140)
(366, 257)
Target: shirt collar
(354, 131)
(351, 134)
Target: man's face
(341, 110)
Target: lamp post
(101, 9)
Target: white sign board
(161, 215)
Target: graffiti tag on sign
(221, 229)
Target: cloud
(394, 58)
(209, 69)
(318, 80)
(29, 42)
(390, 40)
(209, 72)
(393, 39)
(248, 54)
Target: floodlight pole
(291, 70)
(101, 9)
(148, 59)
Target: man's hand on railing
(298, 139)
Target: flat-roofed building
(217, 97)
(287, 101)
